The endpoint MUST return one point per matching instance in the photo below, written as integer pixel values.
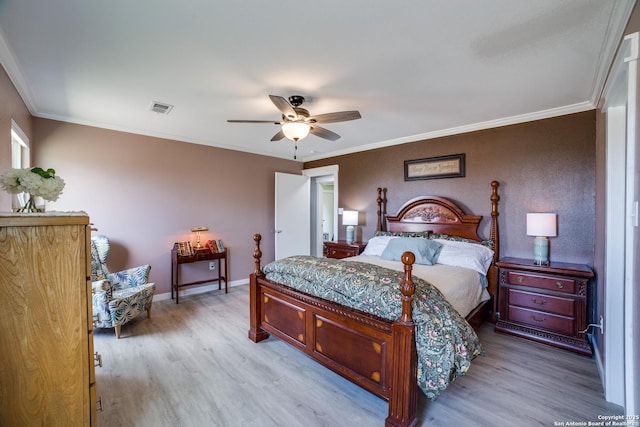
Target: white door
(292, 216)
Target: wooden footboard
(375, 353)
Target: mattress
(462, 287)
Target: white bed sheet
(460, 286)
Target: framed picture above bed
(451, 166)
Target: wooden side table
(547, 304)
(200, 255)
(342, 249)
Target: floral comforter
(445, 342)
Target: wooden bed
(377, 354)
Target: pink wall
(11, 107)
(542, 166)
(146, 193)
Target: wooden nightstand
(547, 304)
(342, 249)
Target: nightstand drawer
(342, 249)
(552, 322)
(560, 284)
(548, 303)
(341, 253)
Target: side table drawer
(343, 249)
(342, 253)
(552, 322)
(559, 284)
(548, 303)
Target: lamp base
(541, 263)
(350, 233)
(541, 251)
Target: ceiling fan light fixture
(295, 131)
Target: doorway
(324, 206)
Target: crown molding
(7, 59)
(523, 118)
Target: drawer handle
(97, 357)
(559, 285)
(520, 279)
(537, 320)
(542, 302)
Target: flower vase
(30, 205)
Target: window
(20, 157)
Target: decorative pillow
(426, 251)
(376, 245)
(463, 254)
(442, 236)
(424, 234)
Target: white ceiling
(414, 69)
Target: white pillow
(463, 254)
(377, 245)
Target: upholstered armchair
(117, 297)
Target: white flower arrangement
(35, 181)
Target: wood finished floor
(192, 365)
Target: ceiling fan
(297, 123)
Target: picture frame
(450, 166)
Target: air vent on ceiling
(160, 107)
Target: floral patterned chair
(117, 297)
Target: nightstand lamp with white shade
(350, 219)
(542, 226)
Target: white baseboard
(199, 289)
(598, 358)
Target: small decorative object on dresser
(29, 183)
(343, 249)
(545, 303)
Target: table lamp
(542, 226)
(350, 218)
(198, 230)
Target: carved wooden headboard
(439, 215)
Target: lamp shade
(542, 224)
(295, 131)
(350, 218)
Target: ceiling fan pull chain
(295, 150)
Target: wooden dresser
(47, 373)
(544, 303)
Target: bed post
(494, 235)
(403, 399)
(256, 333)
(379, 201)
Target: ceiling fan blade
(340, 116)
(283, 105)
(324, 133)
(278, 136)
(254, 121)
